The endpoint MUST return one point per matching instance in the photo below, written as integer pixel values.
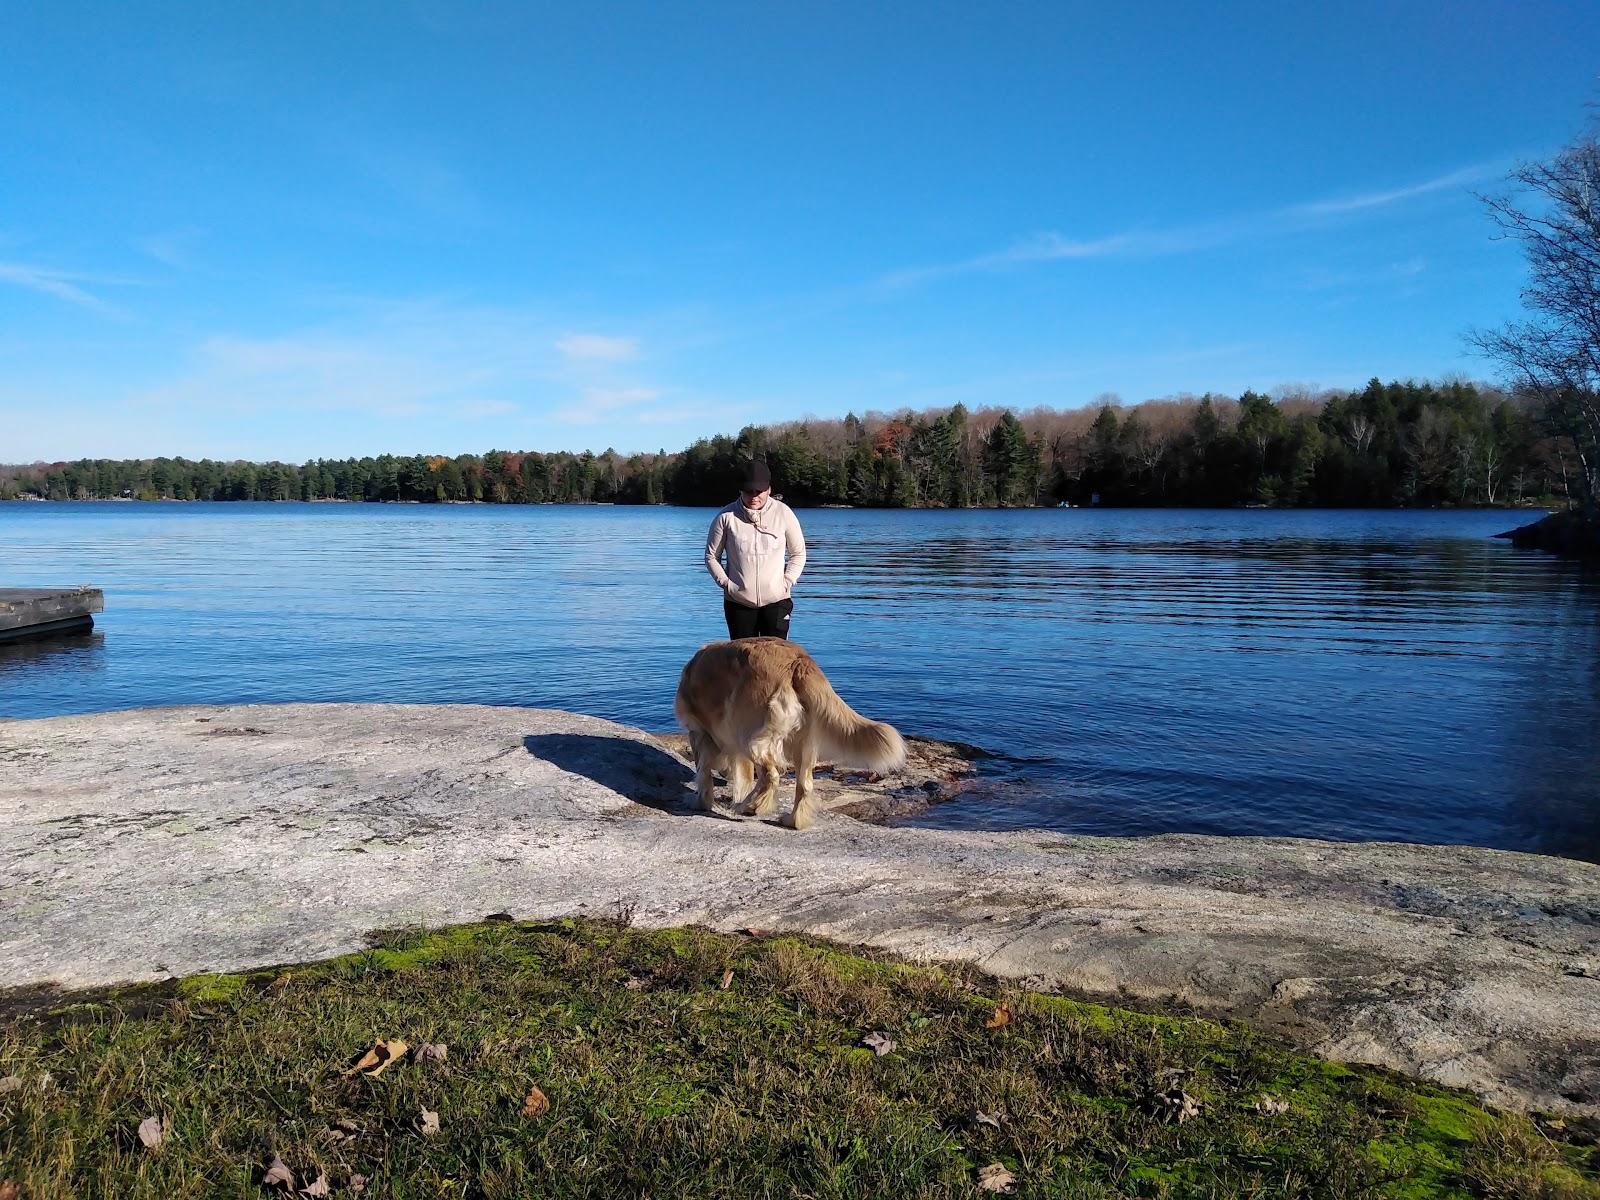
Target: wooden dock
(36, 612)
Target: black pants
(770, 620)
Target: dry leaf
(727, 978)
(636, 984)
(982, 1118)
(281, 982)
(1175, 1104)
(151, 1132)
(879, 1042)
(1272, 1105)
(1001, 1018)
(10, 1083)
(536, 1104)
(374, 1061)
(319, 1188)
(343, 1130)
(10, 1190)
(278, 1175)
(995, 1178)
(432, 1052)
(358, 1184)
(428, 1122)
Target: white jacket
(755, 543)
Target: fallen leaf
(10, 1083)
(428, 1123)
(281, 982)
(536, 1104)
(636, 984)
(1175, 1104)
(278, 1175)
(343, 1130)
(318, 1188)
(10, 1190)
(1272, 1105)
(983, 1118)
(1001, 1018)
(432, 1052)
(358, 1184)
(727, 978)
(151, 1132)
(995, 1178)
(879, 1042)
(374, 1061)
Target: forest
(1397, 444)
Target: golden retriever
(763, 703)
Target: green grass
(675, 1086)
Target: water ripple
(1323, 674)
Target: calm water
(1323, 674)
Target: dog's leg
(740, 782)
(763, 800)
(804, 757)
(704, 785)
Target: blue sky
(293, 230)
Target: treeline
(1395, 444)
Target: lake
(1352, 675)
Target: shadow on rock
(642, 773)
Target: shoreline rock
(1566, 533)
(144, 844)
(935, 772)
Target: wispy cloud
(385, 373)
(63, 285)
(480, 409)
(1017, 386)
(174, 247)
(1365, 201)
(414, 362)
(603, 404)
(597, 348)
(1404, 273)
(1188, 238)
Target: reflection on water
(1324, 674)
(73, 653)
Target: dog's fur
(755, 705)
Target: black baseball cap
(757, 478)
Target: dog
(758, 704)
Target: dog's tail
(680, 702)
(842, 733)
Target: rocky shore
(138, 845)
(1568, 533)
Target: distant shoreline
(1527, 507)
